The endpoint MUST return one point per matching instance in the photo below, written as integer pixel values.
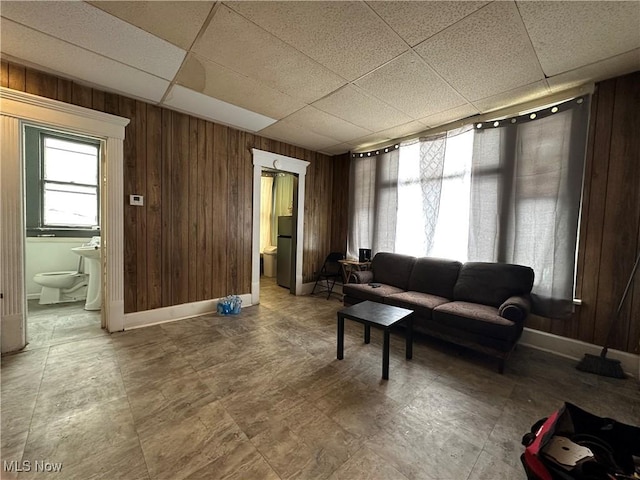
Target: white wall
(46, 254)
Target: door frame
(262, 159)
(19, 108)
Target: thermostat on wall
(137, 200)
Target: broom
(601, 365)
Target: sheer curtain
(415, 199)
(433, 195)
(525, 201)
(266, 209)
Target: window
(62, 180)
(442, 233)
(507, 192)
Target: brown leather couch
(479, 305)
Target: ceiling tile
(325, 124)
(237, 43)
(294, 134)
(587, 32)
(354, 106)
(175, 22)
(449, 116)
(410, 85)
(417, 21)
(194, 103)
(370, 141)
(404, 130)
(609, 68)
(347, 37)
(73, 62)
(513, 97)
(88, 27)
(336, 149)
(484, 54)
(219, 82)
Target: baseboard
(12, 333)
(575, 349)
(33, 296)
(175, 312)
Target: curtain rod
(510, 111)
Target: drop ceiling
(329, 76)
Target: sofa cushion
(492, 283)
(476, 318)
(422, 303)
(392, 269)
(434, 275)
(367, 292)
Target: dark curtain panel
(526, 186)
(373, 203)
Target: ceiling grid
(324, 75)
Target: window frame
(35, 222)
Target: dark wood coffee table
(381, 316)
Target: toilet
(59, 287)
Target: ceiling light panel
(73, 62)
(175, 22)
(354, 106)
(586, 31)
(486, 53)
(88, 27)
(227, 85)
(347, 37)
(239, 44)
(194, 103)
(417, 21)
(410, 85)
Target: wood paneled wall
(192, 239)
(610, 226)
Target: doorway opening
(294, 227)
(19, 108)
(63, 282)
(277, 243)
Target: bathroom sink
(91, 254)
(88, 251)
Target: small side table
(380, 316)
(349, 266)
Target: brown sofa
(479, 305)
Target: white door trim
(286, 164)
(23, 108)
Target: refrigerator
(285, 245)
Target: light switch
(137, 200)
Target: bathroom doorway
(62, 265)
(277, 240)
(298, 168)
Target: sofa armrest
(364, 276)
(515, 308)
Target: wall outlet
(137, 200)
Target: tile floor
(262, 396)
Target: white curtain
(282, 201)
(525, 201)
(266, 209)
(414, 200)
